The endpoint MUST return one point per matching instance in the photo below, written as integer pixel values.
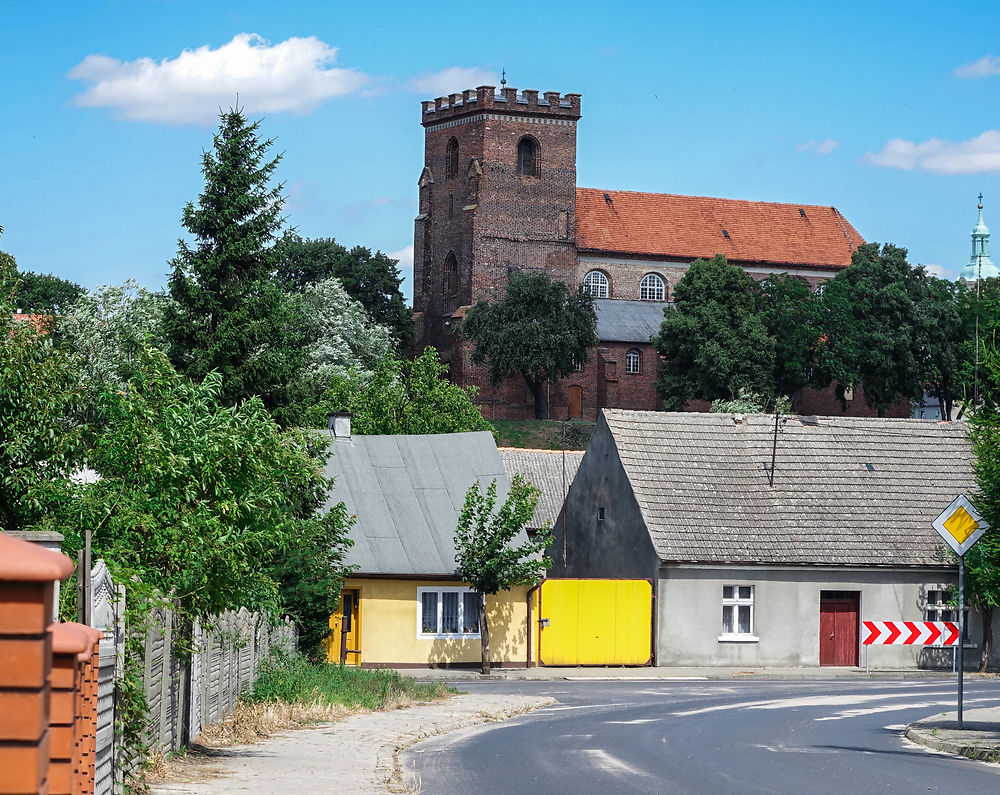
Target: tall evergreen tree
(229, 313)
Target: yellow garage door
(595, 622)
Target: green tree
(874, 330)
(45, 294)
(371, 278)
(982, 562)
(401, 397)
(949, 325)
(486, 551)
(109, 327)
(39, 391)
(786, 310)
(538, 329)
(713, 341)
(229, 313)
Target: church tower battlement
(497, 193)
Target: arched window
(652, 288)
(633, 361)
(527, 157)
(596, 283)
(450, 286)
(451, 159)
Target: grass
(543, 434)
(295, 680)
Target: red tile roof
(686, 227)
(42, 323)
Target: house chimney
(339, 425)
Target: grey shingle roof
(544, 468)
(407, 493)
(850, 491)
(628, 321)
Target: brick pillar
(86, 712)
(68, 642)
(28, 574)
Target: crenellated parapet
(486, 99)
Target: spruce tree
(229, 313)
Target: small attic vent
(802, 212)
(809, 420)
(607, 198)
(725, 234)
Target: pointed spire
(980, 265)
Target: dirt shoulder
(359, 754)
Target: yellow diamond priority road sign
(961, 525)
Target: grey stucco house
(749, 573)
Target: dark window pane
(470, 615)
(745, 619)
(526, 157)
(449, 612)
(428, 621)
(727, 619)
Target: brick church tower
(497, 193)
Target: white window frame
(736, 601)
(599, 286)
(653, 287)
(633, 354)
(460, 590)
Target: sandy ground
(357, 755)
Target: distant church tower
(497, 193)
(980, 265)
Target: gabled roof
(628, 321)
(848, 491)
(551, 471)
(665, 226)
(407, 493)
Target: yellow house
(404, 607)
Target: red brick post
(86, 712)
(27, 576)
(68, 642)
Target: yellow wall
(389, 626)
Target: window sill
(734, 638)
(450, 636)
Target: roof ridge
(712, 198)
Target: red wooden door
(838, 627)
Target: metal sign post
(961, 526)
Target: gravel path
(358, 755)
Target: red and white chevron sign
(910, 633)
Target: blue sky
(887, 111)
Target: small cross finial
(980, 201)
(503, 77)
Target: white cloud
(451, 80)
(939, 270)
(293, 76)
(986, 66)
(821, 148)
(976, 156)
(405, 257)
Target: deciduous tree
(487, 554)
(538, 329)
(371, 278)
(874, 331)
(402, 397)
(713, 341)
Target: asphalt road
(706, 737)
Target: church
(498, 193)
